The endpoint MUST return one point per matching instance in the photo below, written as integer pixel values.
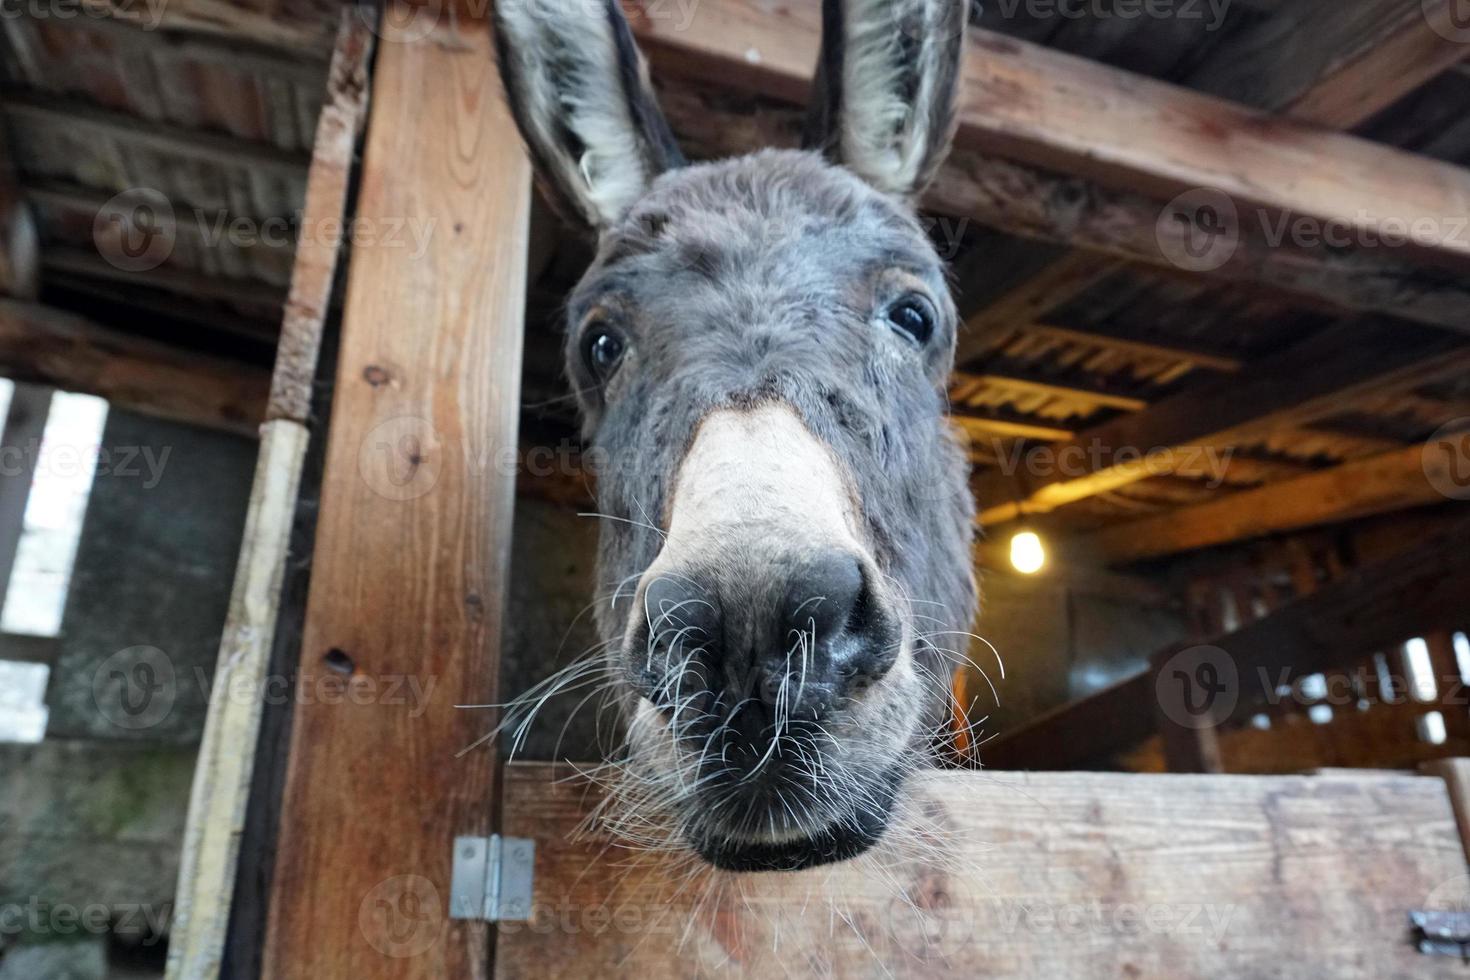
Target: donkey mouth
(842, 840)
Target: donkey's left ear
(887, 82)
(580, 95)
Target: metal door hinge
(492, 878)
(1442, 933)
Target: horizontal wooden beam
(1009, 320)
(1007, 876)
(1099, 397)
(1312, 381)
(79, 117)
(305, 29)
(246, 293)
(977, 426)
(1413, 477)
(49, 346)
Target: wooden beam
(1040, 106)
(978, 426)
(408, 574)
(1098, 397)
(1378, 604)
(298, 26)
(249, 294)
(80, 118)
(1013, 875)
(225, 769)
(1314, 62)
(48, 346)
(996, 327)
(314, 273)
(1315, 380)
(1397, 480)
(1321, 62)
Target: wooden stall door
(1011, 875)
(403, 621)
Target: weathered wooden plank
(1334, 64)
(408, 581)
(52, 347)
(318, 249)
(1015, 875)
(227, 749)
(1397, 480)
(209, 148)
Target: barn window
(1432, 728)
(22, 701)
(1420, 670)
(65, 461)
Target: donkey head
(760, 349)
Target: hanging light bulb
(1028, 554)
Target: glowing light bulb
(1028, 554)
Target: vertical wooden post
(404, 616)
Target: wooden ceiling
(1291, 386)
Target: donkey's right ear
(579, 91)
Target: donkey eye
(912, 316)
(602, 349)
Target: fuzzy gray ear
(579, 91)
(887, 82)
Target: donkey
(760, 351)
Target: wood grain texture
(407, 593)
(1054, 875)
(52, 347)
(318, 245)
